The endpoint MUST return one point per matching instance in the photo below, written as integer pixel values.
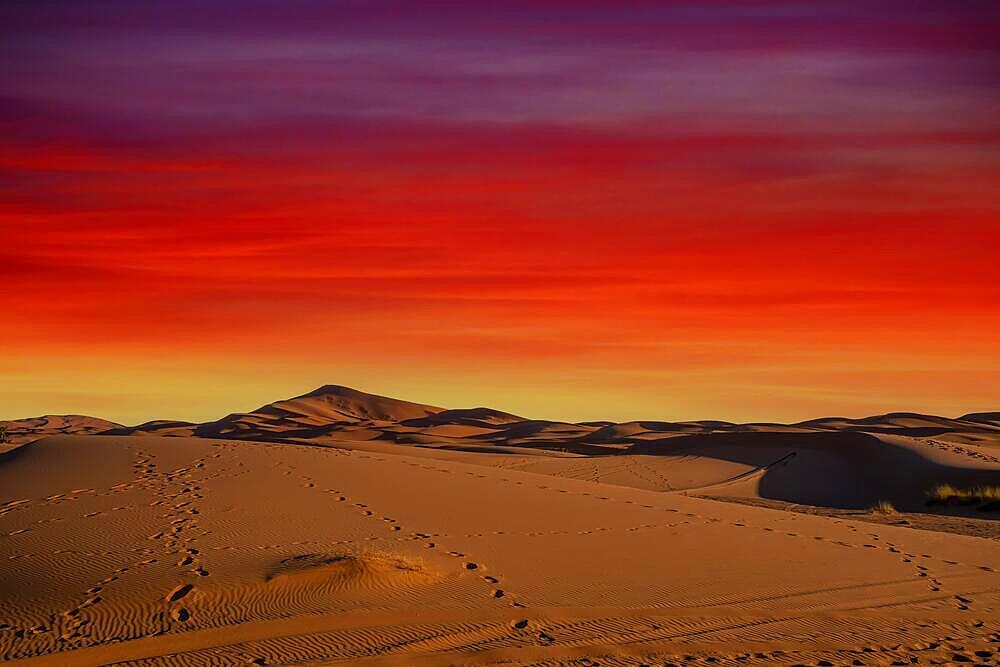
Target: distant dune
(20, 431)
(340, 527)
(831, 462)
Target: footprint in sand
(179, 592)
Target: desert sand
(341, 527)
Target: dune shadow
(844, 470)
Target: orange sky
(602, 225)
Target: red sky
(592, 210)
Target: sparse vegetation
(4, 438)
(883, 507)
(986, 497)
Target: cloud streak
(489, 197)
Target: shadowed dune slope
(482, 417)
(988, 418)
(845, 470)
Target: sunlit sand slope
(146, 550)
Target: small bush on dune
(944, 494)
(988, 493)
(941, 494)
(883, 507)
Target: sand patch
(349, 570)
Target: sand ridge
(835, 462)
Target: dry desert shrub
(883, 507)
(946, 494)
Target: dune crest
(20, 431)
(832, 462)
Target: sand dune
(831, 462)
(988, 418)
(227, 552)
(20, 431)
(410, 534)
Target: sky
(600, 209)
